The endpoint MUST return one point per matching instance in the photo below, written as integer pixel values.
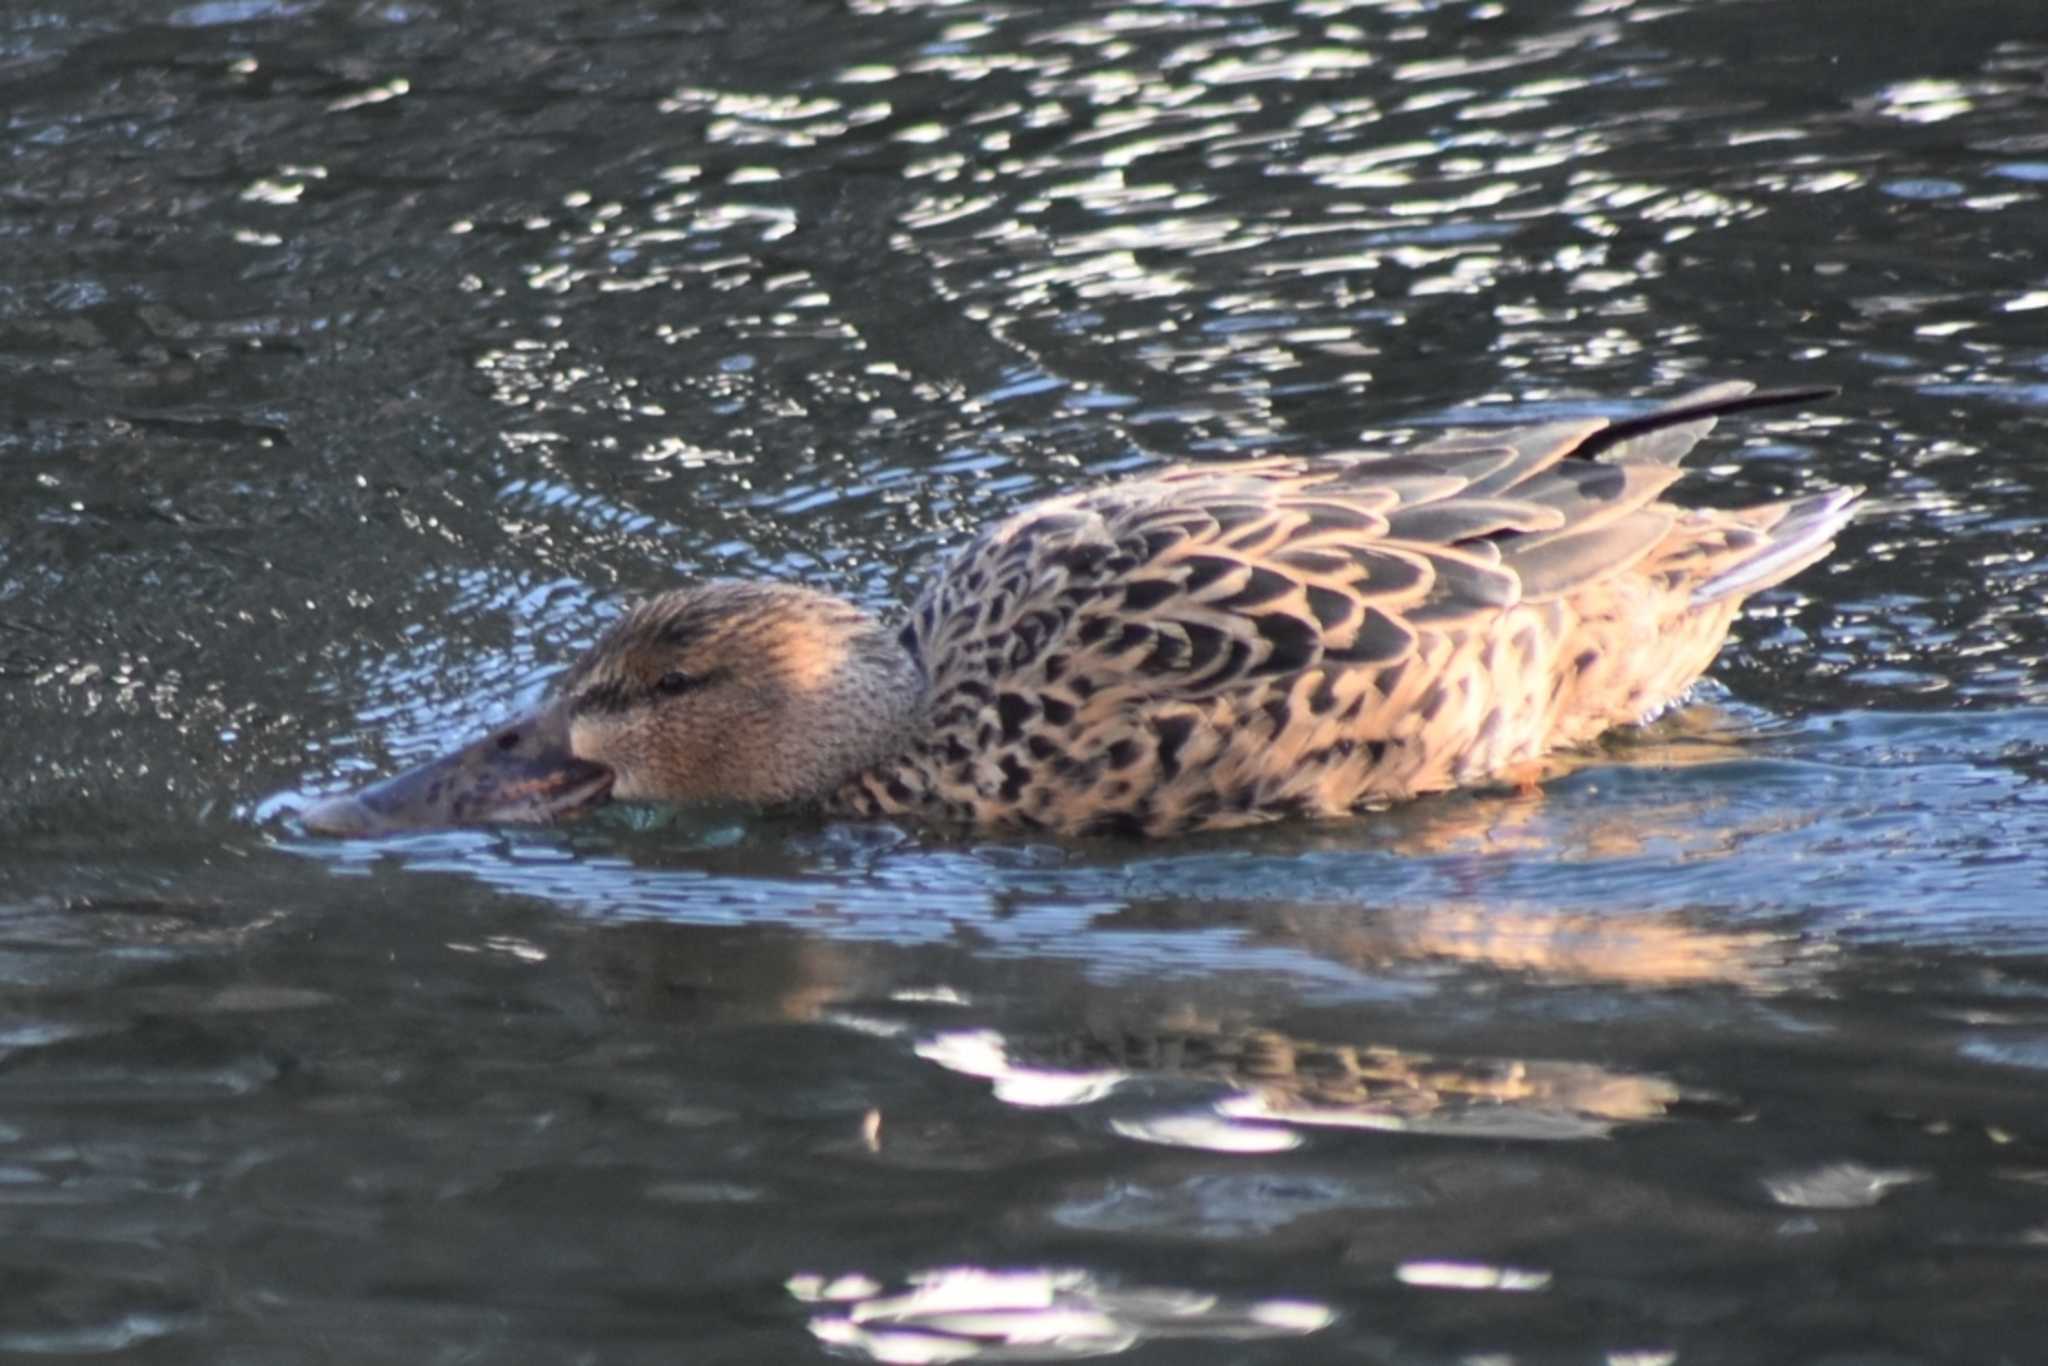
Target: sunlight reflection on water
(976, 1314)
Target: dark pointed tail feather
(1721, 401)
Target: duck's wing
(1186, 581)
(1217, 644)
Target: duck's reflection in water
(1264, 1076)
(1646, 950)
(1185, 1094)
(1267, 1078)
(1273, 1076)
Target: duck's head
(758, 694)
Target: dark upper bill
(521, 773)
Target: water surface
(360, 360)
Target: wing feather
(1566, 562)
(1536, 450)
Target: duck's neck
(869, 709)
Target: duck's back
(1218, 645)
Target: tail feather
(1663, 435)
(1804, 534)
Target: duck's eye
(675, 681)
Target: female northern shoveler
(1206, 646)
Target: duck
(1200, 647)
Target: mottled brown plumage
(1208, 645)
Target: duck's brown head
(750, 693)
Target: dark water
(360, 358)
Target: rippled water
(360, 359)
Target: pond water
(361, 358)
